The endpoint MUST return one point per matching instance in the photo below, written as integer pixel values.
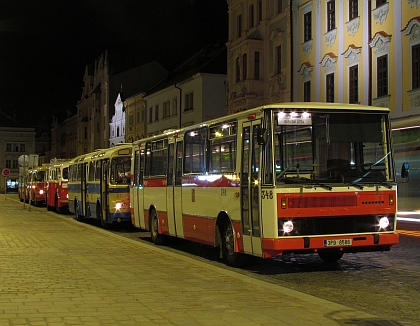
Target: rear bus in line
(36, 182)
(56, 189)
(283, 178)
(98, 185)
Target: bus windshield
(120, 170)
(335, 148)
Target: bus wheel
(234, 259)
(99, 213)
(157, 238)
(76, 212)
(57, 208)
(330, 257)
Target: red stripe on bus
(155, 182)
(199, 229)
(211, 180)
(311, 205)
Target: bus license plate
(338, 242)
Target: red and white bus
(56, 190)
(277, 179)
(36, 182)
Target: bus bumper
(359, 243)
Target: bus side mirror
(262, 136)
(404, 170)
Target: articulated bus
(36, 185)
(98, 185)
(56, 189)
(278, 179)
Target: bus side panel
(155, 196)
(62, 195)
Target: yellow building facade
(135, 118)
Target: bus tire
(157, 238)
(234, 259)
(57, 208)
(330, 256)
(76, 212)
(104, 223)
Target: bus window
(65, 175)
(91, 171)
(159, 157)
(120, 170)
(98, 170)
(195, 151)
(223, 147)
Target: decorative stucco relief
(307, 47)
(380, 13)
(353, 26)
(330, 37)
(414, 3)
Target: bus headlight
(287, 226)
(383, 223)
(41, 192)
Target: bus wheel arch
(225, 238)
(157, 237)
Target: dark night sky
(46, 44)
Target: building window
(238, 71)
(157, 112)
(380, 3)
(239, 25)
(279, 6)
(130, 120)
(251, 16)
(8, 147)
(189, 103)
(330, 15)
(166, 109)
(307, 91)
(174, 106)
(278, 59)
(85, 132)
(150, 114)
(118, 131)
(330, 88)
(259, 8)
(244, 66)
(307, 20)
(8, 164)
(15, 164)
(354, 84)
(415, 66)
(15, 148)
(353, 9)
(257, 65)
(22, 147)
(382, 75)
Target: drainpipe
(370, 52)
(180, 106)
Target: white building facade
(198, 98)
(117, 124)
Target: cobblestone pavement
(56, 271)
(381, 283)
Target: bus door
(251, 188)
(83, 188)
(138, 187)
(106, 167)
(174, 185)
